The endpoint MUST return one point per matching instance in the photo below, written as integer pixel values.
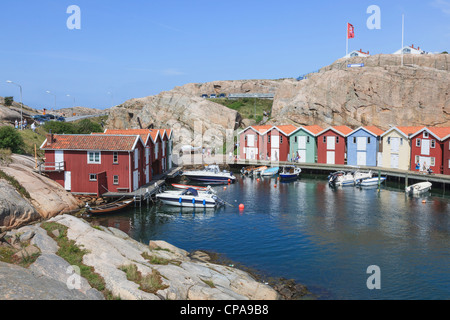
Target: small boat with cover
(270, 172)
(290, 172)
(419, 188)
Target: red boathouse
(95, 164)
(331, 145)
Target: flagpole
(346, 37)
(403, 34)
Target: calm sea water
(322, 237)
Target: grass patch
(150, 283)
(209, 283)
(246, 107)
(5, 157)
(73, 254)
(154, 259)
(7, 255)
(30, 139)
(19, 188)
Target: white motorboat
(190, 198)
(371, 181)
(211, 174)
(359, 175)
(341, 178)
(418, 188)
(185, 186)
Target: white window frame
(425, 135)
(116, 180)
(89, 161)
(418, 142)
(92, 177)
(432, 161)
(433, 144)
(115, 157)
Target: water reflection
(320, 236)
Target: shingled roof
(91, 142)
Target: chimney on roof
(50, 139)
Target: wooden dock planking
(149, 189)
(409, 175)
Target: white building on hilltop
(410, 50)
(357, 53)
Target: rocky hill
(382, 93)
(47, 198)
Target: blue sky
(136, 48)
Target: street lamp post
(21, 103)
(73, 104)
(54, 96)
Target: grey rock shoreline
(186, 278)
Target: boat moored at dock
(211, 174)
(418, 188)
(190, 198)
(290, 173)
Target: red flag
(350, 31)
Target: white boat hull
(177, 200)
(419, 188)
(372, 182)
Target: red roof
(344, 130)
(375, 130)
(410, 130)
(441, 133)
(314, 129)
(143, 133)
(287, 129)
(91, 142)
(262, 129)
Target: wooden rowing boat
(110, 207)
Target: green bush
(85, 126)
(9, 101)
(11, 139)
(60, 127)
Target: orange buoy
(241, 207)
(224, 188)
(275, 186)
(424, 201)
(257, 179)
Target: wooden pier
(146, 192)
(409, 177)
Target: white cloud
(443, 5)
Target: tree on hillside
(9, 101)
(60, 127)
(86, 126)
(11, 139)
